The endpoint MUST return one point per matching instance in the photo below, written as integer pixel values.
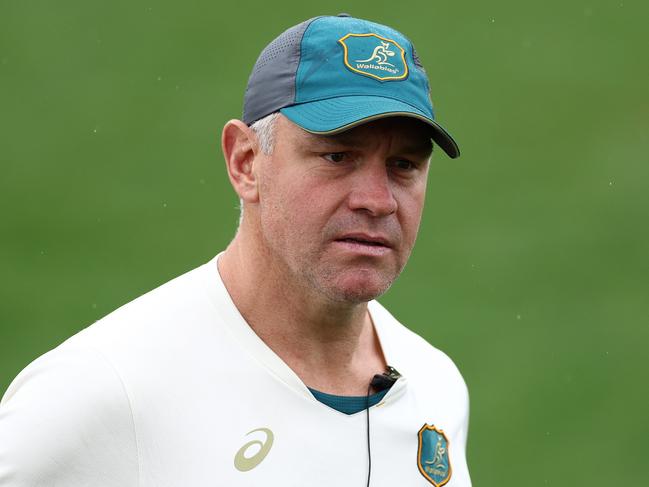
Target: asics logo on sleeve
(253, 453)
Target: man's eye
(336, 157)
(404, 164)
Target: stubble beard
(312, 272)
(347, 286)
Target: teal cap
(329, 74)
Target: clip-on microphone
(381, 382)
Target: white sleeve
(66, 420)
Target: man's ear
(240, 148)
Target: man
(272, 364)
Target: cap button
(343, 15)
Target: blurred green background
(532, 265)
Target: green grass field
(532, 264)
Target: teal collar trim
(348, 404)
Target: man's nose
(372, 191)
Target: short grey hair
(264, 129)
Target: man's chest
(284, 439)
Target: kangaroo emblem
(438, 455)
(432, 455)
(386, 63)
(380, 55)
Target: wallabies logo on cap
(374, 56)
(432, 455)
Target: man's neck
(332, 347)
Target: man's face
(339, 214)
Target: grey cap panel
(271, 85)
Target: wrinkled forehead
(405, 135)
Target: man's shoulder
(414, 356)
(401, 338)
(155, 316)
(98, 352)
(93, 384)
(175, 296)
(140, 335)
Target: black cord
(380, 383)
(369, 451)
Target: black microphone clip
(381, 382)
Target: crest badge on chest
(433, 456)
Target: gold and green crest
(374, 56)
(432, 455)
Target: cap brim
(336, 115)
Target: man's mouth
(364, 243)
